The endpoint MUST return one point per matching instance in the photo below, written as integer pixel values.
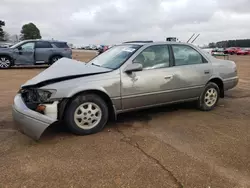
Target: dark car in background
(103, 49)
(33, 52)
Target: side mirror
(133, 67)
(19, 48)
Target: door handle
(206, 72)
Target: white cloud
(112, 21)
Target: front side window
(114, 57)
(17, 44)
(28, 46)
(186, 55)
(154, 57)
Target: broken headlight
(36, 95)
(44, 95)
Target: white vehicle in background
(208, 50)
(5, 45)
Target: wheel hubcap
(55, 59)
(211, 97)
(87, 115)
(4, 62)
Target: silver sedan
(127, 77)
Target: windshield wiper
(95, 64)
(101, 66)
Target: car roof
(155, 43)
(43, 40)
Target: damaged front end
(39, 101)
(34, 111)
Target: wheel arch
(54, 55)
(220, 84)
(9, 56)
(66, 102)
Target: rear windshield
(60, 44)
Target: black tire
(202, 104)
(5, 62)
(77, 102)
(55, 58)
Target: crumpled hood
(64, 69)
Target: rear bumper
(230, 83)
(31, 123)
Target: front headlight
(44, 95)
(36, 95)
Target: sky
(84, 22)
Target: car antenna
(195, 38)
(190, 38)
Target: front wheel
(5, 62)
(209, 98)
(86, 114)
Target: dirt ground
(174, 146)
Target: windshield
(115, 56)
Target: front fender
(77, 90)
(67, 89)
(8, 54)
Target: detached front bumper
(31, 123)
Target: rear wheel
(54, 59)
(209, 98)
(86, 114)
(5, 62)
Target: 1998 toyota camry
(127, 77)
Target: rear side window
(42, 44)
(60, 44)
(186, 55)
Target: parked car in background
(127, 77)
(218, 50)
(208, 50)
(242, 52)
(102, 49)
(33, 52)
(5, 45)
(232, 50)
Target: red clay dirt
(174, 146)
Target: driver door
(148, 87)
(24, 54)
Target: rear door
(24, 54)
(43, 51)
(191, 71)
(63, 49)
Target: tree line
(230, 43)
(28, 31)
